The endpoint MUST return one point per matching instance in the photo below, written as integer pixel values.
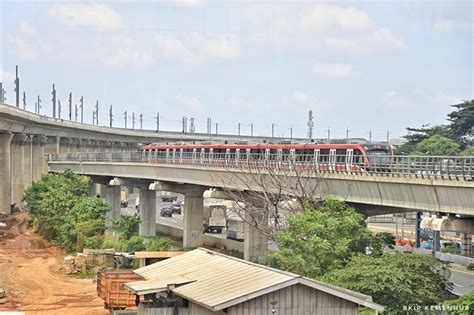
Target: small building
(202, 282)
(148, 258)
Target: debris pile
(88, 259)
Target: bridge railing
(436, 167)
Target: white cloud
(128, 57)
(222, 46)
(99, 16)
(23, 48)
(392, 99)
(300, 99)
(27, 29)
(188, 3)
(241, 103)
(447, 25)
(447, 99)
(190, 102)
(334, 18)
(172, 47)
(335, 70)
(198, 47)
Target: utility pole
(75, 112)
(141, 121)
(70, 106)
(24, 99)
(217, 128)
(238, 129)
(192, 126)
(310, 126)
(39, 105)
(184, 125)
(251, 129)
(157, 121)
(110, 116)
(59, 108)
(2, 93)
(291, 132)
(347, 134)
(329, 133)
(97, 113)
(93, 117)
(17, 87)
(82, 108)
(273, 130)
(125, 118)
(209, 125)
(388, 136)
(370, 135)
(133, 121)
(53, 93)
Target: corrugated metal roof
(222, 281)
(160, 254)
(155, 285)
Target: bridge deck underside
(389, 192)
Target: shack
(202, 282)
(148, 258)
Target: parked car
(166, 212)
(176, 208)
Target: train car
(325, 157)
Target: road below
(463, 281)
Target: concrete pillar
(5, 172)
(38, 160)
(147, 212)
(112, 197)
(27, 163)
(17, 168)
(193, 215)
(255, 241)
(436, 241)
(418, 230)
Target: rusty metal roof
(221, 281)
(160, 254)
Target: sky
(364, 67)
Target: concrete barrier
(209, 240)
(456, 259)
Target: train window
(358, 157)
(324, 155)
(341, 156)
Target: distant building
(206, 282)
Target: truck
(110, 288)
(124, 198)
(167, 197)
(217, 220)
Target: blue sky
(374, 65)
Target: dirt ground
(30, 273)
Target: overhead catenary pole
(157, 121)
(251, 129)
(2, 93)
(125, 118)
(59, 108)
(24, 99)
(17, 87)
(70, 106)
(76, 113)
(291, 132)
(133, 121)
(53, 100)
(238, 129)
(388, 136)
(370, 135)
(329, 133)
(141, 121)
(273, 130)
(217, 128)
(110, 116)
(39, 105)
(310, 125)
(82, 108)
(97, 113)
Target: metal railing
(433, 167)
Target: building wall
(295, 300)
(193, 309)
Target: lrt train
(327, 157)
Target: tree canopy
(320, 239)
(437, 145)
(393, 280)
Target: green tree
(469, 151)
(463, 305)
(320, 239)
(128, 225)
(462, 122)
(393, 280)
(437, 145)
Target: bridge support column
(5, 172)
(27, 163)
(147, 212)
(39, 164)
(112, 197)
(17, 168)
(193, 217)
(255, 241)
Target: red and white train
(337, 157)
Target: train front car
(379, 157)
